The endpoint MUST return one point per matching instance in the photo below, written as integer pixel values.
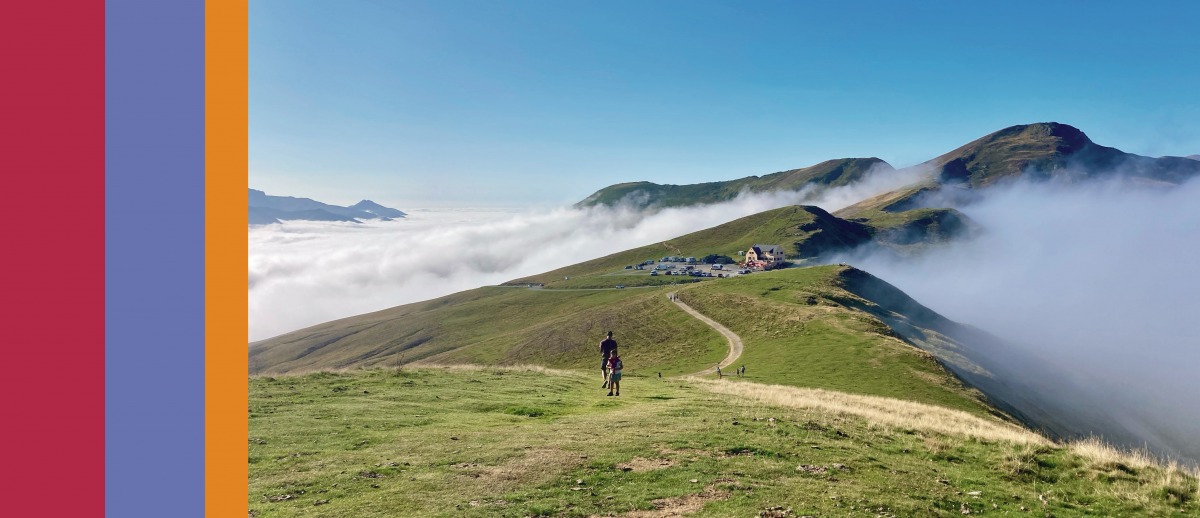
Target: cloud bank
(306, 273)
(1099, 279)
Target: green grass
(504, 326)
(490, 442)
(798, 332)
(797, 325)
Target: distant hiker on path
(608, 346)
(614, 373)
(719, 376)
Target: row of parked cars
(664, 265)
(690, 273)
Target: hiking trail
(735, 341)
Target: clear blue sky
(472, 103)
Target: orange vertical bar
(226, 161)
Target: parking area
(685, 267)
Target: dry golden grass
(880, 410)
(1167, 478)
(1101, 453)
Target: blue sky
(486, 103)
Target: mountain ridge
(830, 173)
(266, 209)
(1038, 151)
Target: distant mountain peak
(380, 210)
(266, 209)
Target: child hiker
(614, 373)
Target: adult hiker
(607, 346)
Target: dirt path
(735, 341)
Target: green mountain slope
(1038, 151)
(1050, 149)
(806, 233)
(1041, 151)
(798, 326)
(830, 173)
(503, 326)
(508, 442)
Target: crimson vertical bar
(52, 264)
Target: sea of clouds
(306, 273)
(1099, 279)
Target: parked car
(654, 274)
(619, 286)
(629, 267)
(716, 267)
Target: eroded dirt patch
(535, 467)
(644, 464)
(677, 506)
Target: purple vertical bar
(154, 258)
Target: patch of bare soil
(820, 470)
(644, 464)
(536, 466)
(678, 506)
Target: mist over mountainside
(266, 209)
(1092, 288)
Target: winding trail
(735, 341)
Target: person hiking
(614, 373)
(607, 347)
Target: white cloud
(305, 273)
(1099, 279)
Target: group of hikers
(611, 365)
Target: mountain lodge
(764, 256)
